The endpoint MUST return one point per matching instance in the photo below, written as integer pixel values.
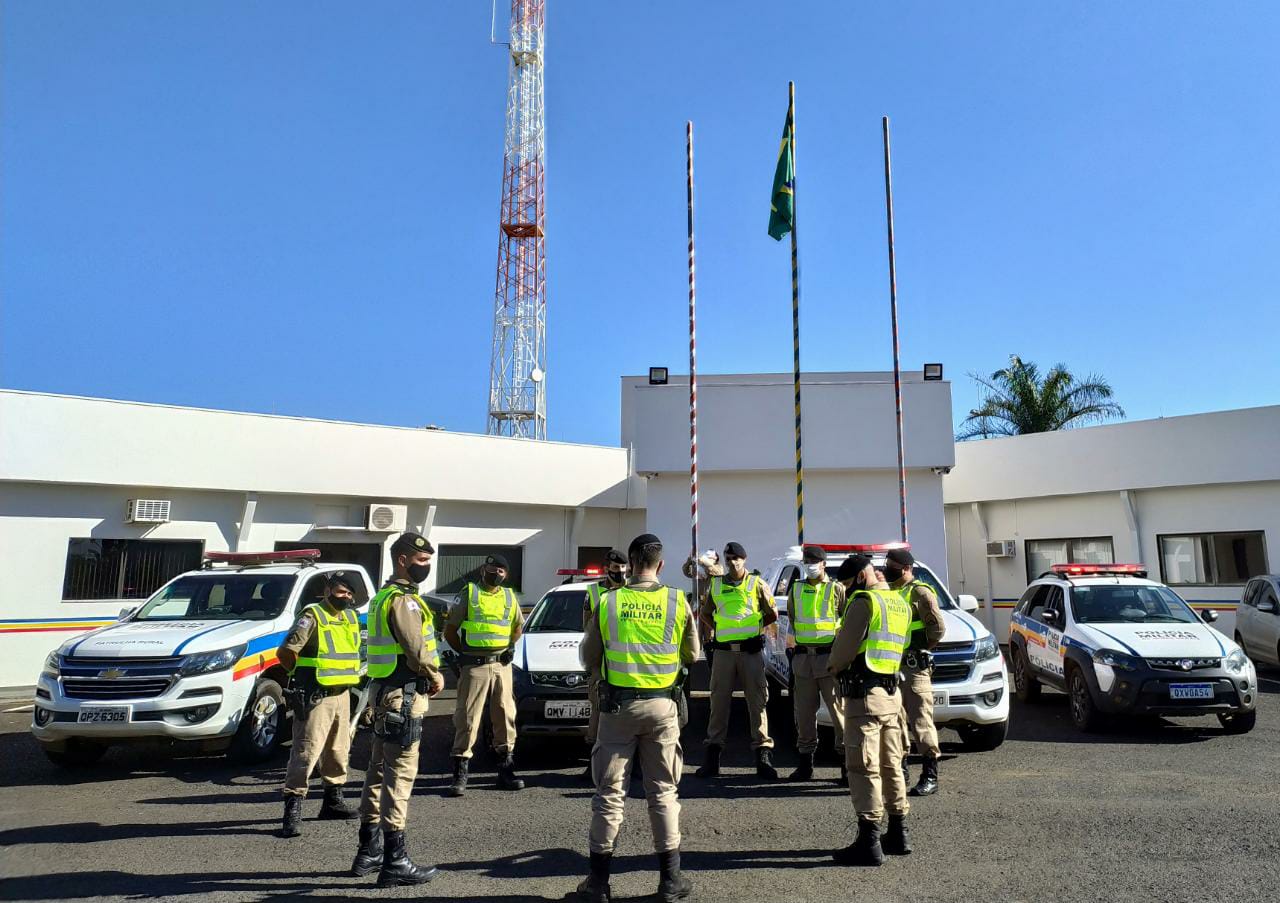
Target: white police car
(1118, 643)
(969, 675)
(195, 662)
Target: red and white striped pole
(893, 317)
(693, 369)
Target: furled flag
(782, 207)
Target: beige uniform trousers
(917, 699)
(323, 737)
(747, 667)
(873, 757)
(392, 767)
(478, 684)
(593, 725)
(811, 683)
(650, 729)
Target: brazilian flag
(782, 207)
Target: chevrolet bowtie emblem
(111, 673)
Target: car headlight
(1118, 660)
(211, 662)
(986, 649)
(52, 666)
(1237, 661)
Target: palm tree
(1017, 400)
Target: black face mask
(618, 576)
(491, 578)
(419, 572)
(341, 603)
(891, 573)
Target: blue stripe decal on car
(92, 633)
(1127, 647)
(263, 643)
(189, 640)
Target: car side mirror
(1050, 617)
(125, 612)
(967, 602)
(1267, 605)
(1208, 615)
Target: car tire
(76, 754)
(262, 727)
(1025, 687)
(1238, 722)
(1084, 712)
(983, 737)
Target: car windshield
(220, 597)
(1118, 603)
(944, 597)
(558, 612)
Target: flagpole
(893, 318)
(795, 317)
(693, 369)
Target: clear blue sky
(293, 206)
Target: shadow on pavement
(93, 832)
(1049, 721)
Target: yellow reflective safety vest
(814, 618)
(384, 651)
(915, 631)
(886, 638)
(337, 659)
(489, 616)
(737, 615)
(642, 630)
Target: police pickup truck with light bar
(1118, 643)
(195, 662)
(969, 675)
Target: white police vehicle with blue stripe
(1120, 644)
(195, 662)
(970, 681)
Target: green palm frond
(1016, 400)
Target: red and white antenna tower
(518, 366)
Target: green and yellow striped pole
(795, 318)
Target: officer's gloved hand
(507, 656)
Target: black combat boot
(866, 849)
(595, 887)
(672, 885)
(397, 867)
(928, 783)
(897, 839)
(711, 767)
(804, 771)
(334, 806)
(507, 779)
(461, 765)
(369, 854)
(292, 816)
(764, 764)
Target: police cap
(351, 580)
(734, 548)
(814, 554)
(901, 557)
(644, 539)
(616, 557)
(497, 561)
(408, 543)
(853, 566)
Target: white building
(1196, 499)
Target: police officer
(815, 606)
(484, 623)
(615, 577)
(405, 670)
(637, 646)
(322, 655)
(734, 611)
(927, 629)
(866, 655)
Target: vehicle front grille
(1176, 664)
(122, 689)
(570, 679)
(950, 672)
(966, 646)
(83, 666)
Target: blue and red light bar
(580, 572)
(262, 557)
(861, 547)
(1099, 570)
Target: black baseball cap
(644, 539)
(853, 566)
(734, 548)
(616, 557)
(497, 561)
(814, 554)
(408, 543)
(351, 580)
(901, 557)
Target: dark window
(789, 575)
(221, 596)
(1251, 593)
(559, 612)
(1212, 559)
(125, 568)
(313, 592)
(593, 557)
(1025, 604)
(456, 566)
(1043, 554)
(366, 554)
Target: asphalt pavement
(1159, 810)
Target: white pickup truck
(195, 662)
(970, 680)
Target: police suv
(1118, 643)
(969, 675)
(195, 662)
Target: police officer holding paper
(404, 667)
(865, 657)
(322, 655)
(815, 605)
(637, 646)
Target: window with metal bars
(456, 566)
(125, 568)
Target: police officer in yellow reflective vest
(322, 655)
(927, 630)
(735, 610)
(638, 646)
(405, 670)
(483, 625)
(814, 605)
(866, 656)
(615, 577)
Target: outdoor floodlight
(932, 372)
(657, 376)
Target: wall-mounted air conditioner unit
(1002, 548)
(147, 511)
(384, 518)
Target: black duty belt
(808, 649)
(918, 659)
(755, 644)
(627, 695)
(469, 661)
